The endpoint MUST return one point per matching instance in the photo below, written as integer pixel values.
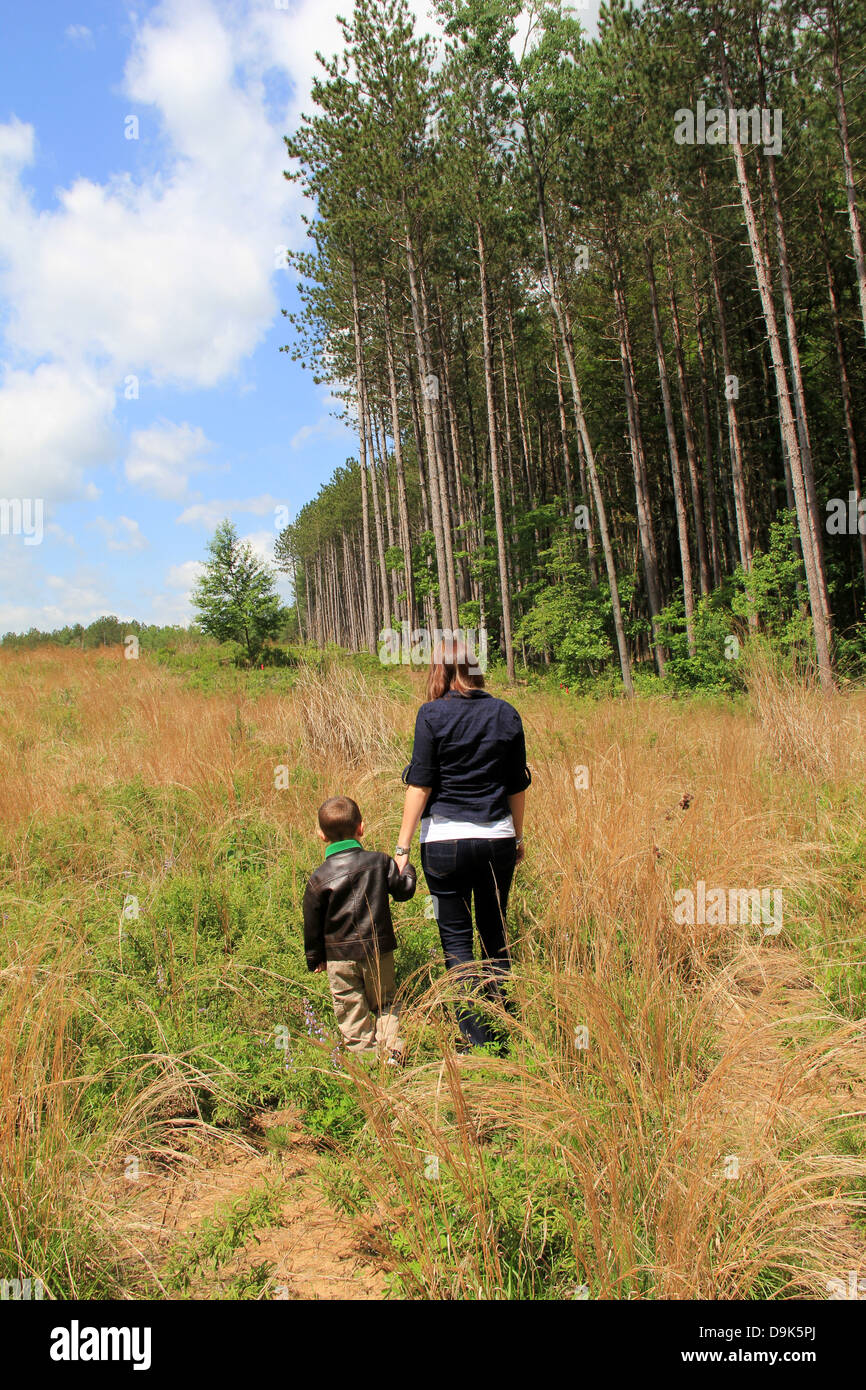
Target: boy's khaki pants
(363, 994)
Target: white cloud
(210, 514)
(122, 534)
(326, 427)
(17, 149)
(165, 272)
(30, 598)
(170, 275)
(262, 543)
(173, 605)
(171, 610)
(184, 576)
(54, 425)
(162, 458)
(80, 34)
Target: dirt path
(778, 1086)
(314, 1252)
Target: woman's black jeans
(456, 872)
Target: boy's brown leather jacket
(347, 915)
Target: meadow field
(680, 1114)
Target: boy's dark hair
(339, 818)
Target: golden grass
(72, 721)
(690, 1058)
(809, 731)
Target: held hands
(401, 860)
(317, 970)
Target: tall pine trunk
(847, 161)
(369, 614)
(688, 430)
(787, 423)
(402, 503)
(429, 384)
(501, 556)
(673, 450)
(847, 410)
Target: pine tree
(235, 595)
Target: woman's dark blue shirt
(471, 750)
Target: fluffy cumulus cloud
(170, 274)
(164, 269)
(162, 458)
(262, 543)
(183, 577)
(55, 426)
(173, 604)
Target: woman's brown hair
(454, 666)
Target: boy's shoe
(396, 1055)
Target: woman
(466, 784)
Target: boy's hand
(317, 970)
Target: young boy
(348, 929)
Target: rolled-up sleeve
(423, 770)
(517, 776)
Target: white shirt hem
(435, 828)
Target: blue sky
(142, 393)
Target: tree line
(106, 631)
(597, 311)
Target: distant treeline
(107, 631)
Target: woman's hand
(413, 806)
(517, 805)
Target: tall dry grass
(347, 719)
(698, 1065)
(694, 1054)
(809, 731)
(73, 723)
